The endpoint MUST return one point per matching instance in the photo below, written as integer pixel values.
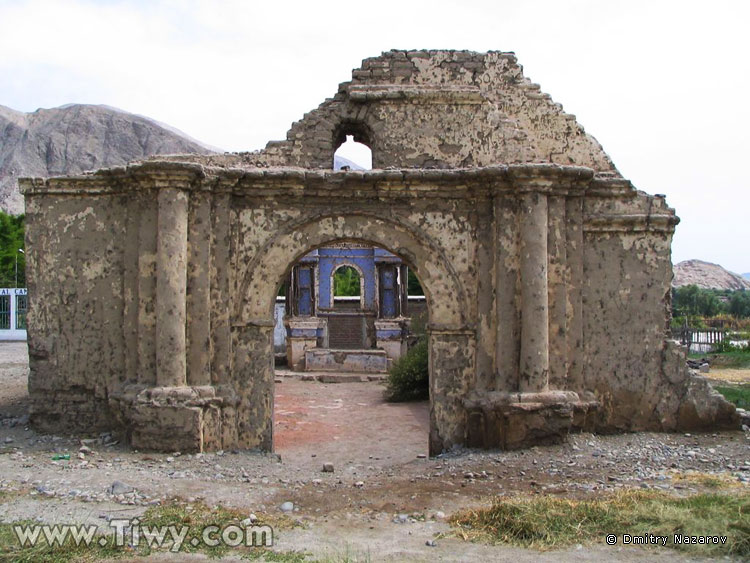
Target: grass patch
(736, 359)
(7, 496)
(550, 523)
(737, 394)
(41, 552)
(716, 481)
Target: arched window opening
(352, 155)
(347, 286)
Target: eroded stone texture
(547, 275)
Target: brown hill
(75, 138)
(707, 276)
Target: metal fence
(699, 340)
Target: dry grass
(714, 481)
(546, 523)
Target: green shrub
(726, 345)
(723, 346)
(408, 379)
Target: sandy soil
(380, 474)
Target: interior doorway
(344, 331)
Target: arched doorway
(332, 399)
(451, 344)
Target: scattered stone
(359, 484)
(120, 488)
(287, 506)
(431, 543)
(327, 467)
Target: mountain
(75, 138)
(707, 276)
(339, 162)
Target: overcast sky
(663, 85)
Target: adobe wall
(547, 275)
(434, 109)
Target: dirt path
(729, 375)
(343, 422)
(382, 502)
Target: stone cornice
(640, 222)
(443, 94)
(296, 182)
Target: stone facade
(547, 274)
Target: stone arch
(452, 339)
(358, 129)
(446, 296)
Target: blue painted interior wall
(329, 259)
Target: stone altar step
(349, 361)
(328, 376)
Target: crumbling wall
(434, 109)
(76, 342)
(637, 374)
(547, 275)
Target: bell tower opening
(351, 155)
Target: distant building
(374, 322)
(13, 306)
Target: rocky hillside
(75, 138)
(707, 276)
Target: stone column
(199, 291)
(534, 368)
(574, 251)
(507, 301)
(452, 375)
(221, 335)
(171, 283)
(148, 219)
(557, 286)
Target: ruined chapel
(547, 274)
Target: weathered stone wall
(434, 109)
(79, 245)
(153, 286)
